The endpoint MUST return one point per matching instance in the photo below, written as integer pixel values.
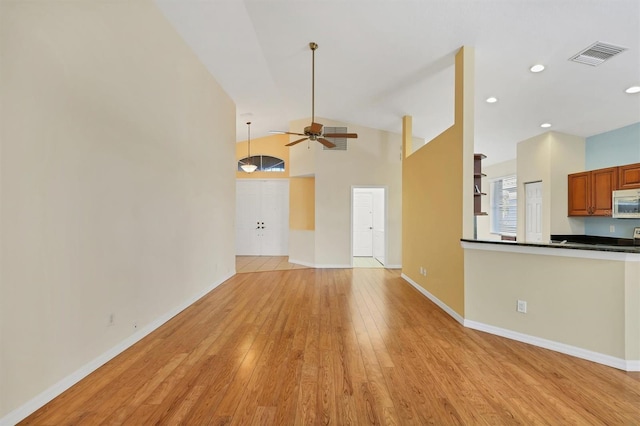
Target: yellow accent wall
(437, 198)
(270, 145)
(302, 203)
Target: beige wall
(118, 184)
(373, 159)
(549, 158)
(586, 303)
(567, 156)
(437, 200)
(303, 154)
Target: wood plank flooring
(264, 263)
(351, 346)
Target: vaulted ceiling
(380, 60)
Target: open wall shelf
(477, 184)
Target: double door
(262, 217)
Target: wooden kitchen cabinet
(590, 192)
(629, 176)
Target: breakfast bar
(577, 298)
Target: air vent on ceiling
(341, 143)
(597, 53)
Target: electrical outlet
(135, 325)
(612, 228)
(424, 272)
(522, 306)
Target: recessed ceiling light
(537, 68)
(632, 89)
(545, 125)
(492, 100)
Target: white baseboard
(619, 363)
(603, 359)
(334, 266)
(302, 262)
(453, 314)
(320, 266)
(633, 365)
(49, 394)
(341, 266)
(393, 266)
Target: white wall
(118, 185)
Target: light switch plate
(636, 232)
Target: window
(504, 205)
(265, 163)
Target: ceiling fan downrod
(313, 46)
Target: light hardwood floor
(350, 346)
(264, 263)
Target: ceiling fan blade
(326, 143)
(281, 132)
(315, 128)
(340, 135)
(295, 142)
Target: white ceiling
(380, 60)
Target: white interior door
(363, 224)
(262, 217)
(248, 195)
(533, 212)
(274, 218)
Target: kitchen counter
(580, 299)
(564, 245)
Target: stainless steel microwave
(626, 204)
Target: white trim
(619, 363)
(313, 265)
(335, 266)
(50, 393)
(633, 365)
(453, 314)
(385, 189)
(551, 251)
(301, 262)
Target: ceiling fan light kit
(313, 132)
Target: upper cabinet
(629, 176)
(590, 192)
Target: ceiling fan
(314, 131)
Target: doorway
(262, 217)
(368, 224)
(533, 212)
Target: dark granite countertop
(566, 245)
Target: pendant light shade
(249, 167)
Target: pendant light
(248, 167)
